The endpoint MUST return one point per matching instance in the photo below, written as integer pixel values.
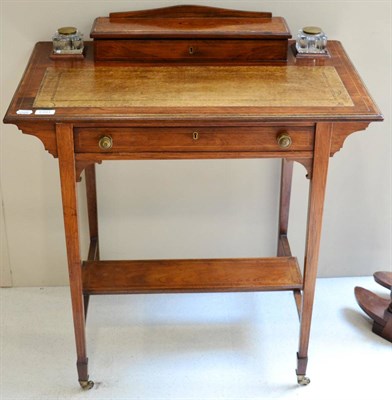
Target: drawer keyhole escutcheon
(284, 140)
(105, 143)
(195, 135)
(191, 50)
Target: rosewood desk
(87, 111)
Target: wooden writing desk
(300, 110)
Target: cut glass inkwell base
(311, 40)
(67, 40)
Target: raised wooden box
(190, 34)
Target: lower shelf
(202, 275)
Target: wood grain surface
(191, 27)
(209, 275)
(189, 11)
(191, 51)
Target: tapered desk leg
(65, 148)
(315, 212)
(284, 211)
(284, 204)
(92, 211)
(91, 190)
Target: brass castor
(86, 385)
(303, 380)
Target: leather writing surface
(188, 86)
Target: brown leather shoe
(383, 278)
(377, 308)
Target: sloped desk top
(307, 89)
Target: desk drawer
(190, 50)
(112, 140)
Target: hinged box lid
(184, 22)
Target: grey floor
(192, 346)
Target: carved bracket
(308, 164)
(45, 131)
(340, 132)
(81, 165)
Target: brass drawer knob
(284, 140)
(105, 143)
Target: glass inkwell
(311, 40)
(67, 40)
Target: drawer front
(246, 139)
(186, 50)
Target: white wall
(5, 268)
(219, 208)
